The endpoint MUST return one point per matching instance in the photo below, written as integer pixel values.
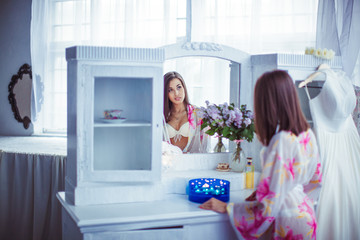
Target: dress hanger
(313, 75)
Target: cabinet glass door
(126, 149)
(125, 143)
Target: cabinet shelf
(127, 123)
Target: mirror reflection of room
(183, 125)
(200, 82)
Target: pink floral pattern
(251, 228)
(318, 171)
(305, 139)
(191, 111)
(290, 167)
(289, 235)
(263, 190)
(305, 207)
(283, 157)
(198, 141)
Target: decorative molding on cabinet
(206, 49)
(306, 60)
(294, 60)
(114, 53)
(202, 46)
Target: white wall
(15, 17)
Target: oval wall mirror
(20, 95)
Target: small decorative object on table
(202, 189)
(223, 167)
(232, 123)
(112, 114)
(249, 174)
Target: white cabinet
(176, 218)
(299, 67)
(108, 158)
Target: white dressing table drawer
(176, 233)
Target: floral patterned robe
(198, 141)
(289, 186)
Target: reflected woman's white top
(197, 139)
(177, 134)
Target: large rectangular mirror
(206, 79)
(211, 72)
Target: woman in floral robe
(290, 181)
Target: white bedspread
(34, 145)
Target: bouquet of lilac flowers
(235, 124)
(228, 121)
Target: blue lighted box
(202, 189)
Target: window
(125, 23)
(257, 26)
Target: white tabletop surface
(127, 216)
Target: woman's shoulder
(282, 135)
(287, 138)
(193, 109)
(192, 106)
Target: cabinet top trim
(298, 60)
(115, 54)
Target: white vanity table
(115, 187)
(172, 218)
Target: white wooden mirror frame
(240, 89)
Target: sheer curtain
(38, 44)
(256, 26)
(339, 29)
(58, 24)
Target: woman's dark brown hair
(276, 103)
(167, 103)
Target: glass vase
(219, 147)
(238, 159)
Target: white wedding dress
(338, 209)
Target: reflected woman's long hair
(167, 103)
(276, 103)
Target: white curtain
(58, 24)
(256, 26)
(339, 29)
(38, 44)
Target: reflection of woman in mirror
(183, 126)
